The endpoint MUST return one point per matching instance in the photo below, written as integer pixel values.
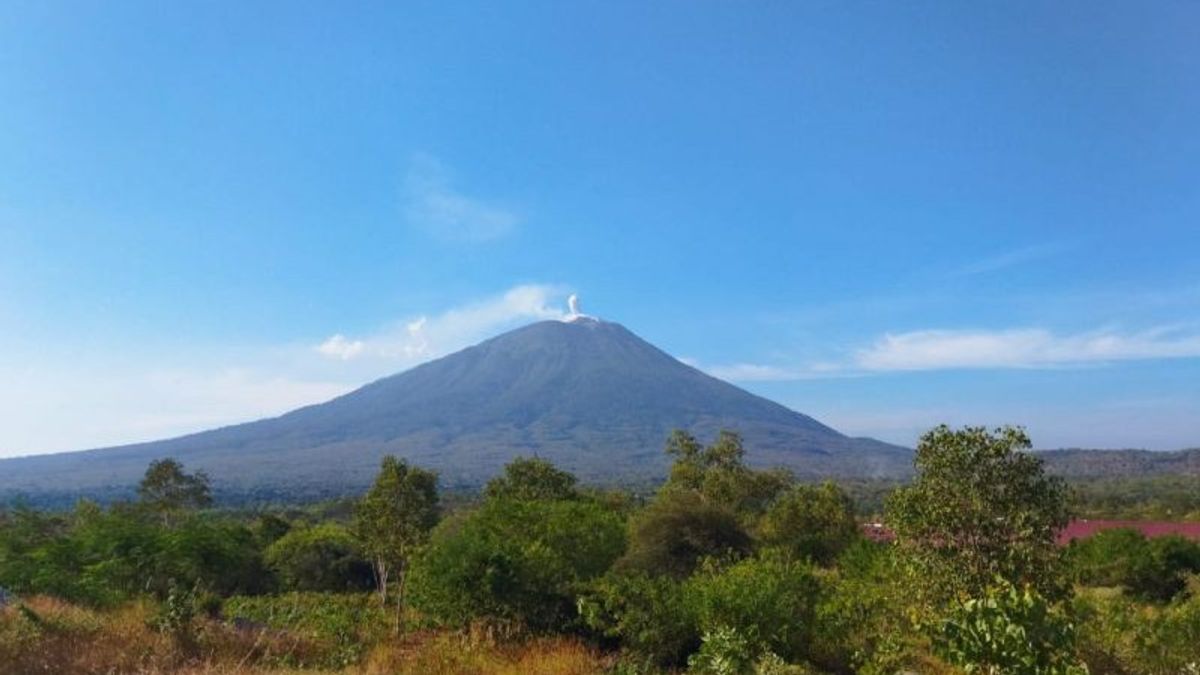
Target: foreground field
(46, 635)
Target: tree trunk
(381, 580)
(401, 583)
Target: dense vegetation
(721, 569)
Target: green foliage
(646, 614)
(811, 521)
(516, 562)
(1117, 635)
(679, 529)
(166, 488)
(979, 508)
(176, 613)
(1152, 569)
(345, 625)
(1170, 497)
(865, 622)
(325, 557)
(1108, 558)
(526, 479)
(1009, 631)
(394, 519)
(725, 651)
(770, 599)
(105, 557)
(718, 473)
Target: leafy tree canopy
(811, 521)
(167, 488)
(394, 519)
(979, 508)
(531, 478)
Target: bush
(770, 599)
(647, 615)
(1116, 635)
(1152, 569)
(516, 562)
(1009, 630)
(811, 521)
(321, 558)
(679, 529)
(342, 626)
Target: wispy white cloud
(1007, 259)
(758, 372)
(963, 349)
(339, 347)
(435, 206)
(1020, 348)
(424, 337)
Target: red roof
(1081, 529)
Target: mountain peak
(587, 394)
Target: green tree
(770, 599)
(677, 530)
(811, 521)
(979, 508)
(519, 563)
(531, 478)
(325, 557)
(393, 520)
(718, 473)
(166, 489)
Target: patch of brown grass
(451, 654)
(52, 636)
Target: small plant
(176, 613)
(725, 651)
(1010, 631)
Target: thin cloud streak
(1007, 260)
(1020, 348)
(434, 206)
(1028, 348)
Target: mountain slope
(588, 395)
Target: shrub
(647, 615)
(811, 521)
(1011, 631)
(516, 562)
(679, 529)
(321, 558)
(770, 599)
(341, 626)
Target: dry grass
(444, 654)
(59, 638)
(53, 636)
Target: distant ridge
(1081, 463)
(587, 394)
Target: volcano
(588, 395)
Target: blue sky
(886, 215)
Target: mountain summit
(586, 394)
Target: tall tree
(719, 475)
(813, 521)
(980, 509)
(531, 478)
(167, 488)
(393, 520)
